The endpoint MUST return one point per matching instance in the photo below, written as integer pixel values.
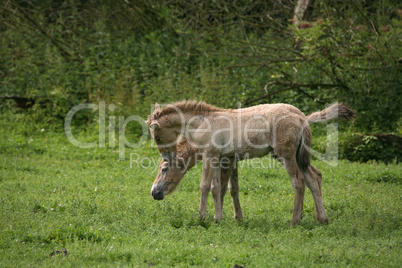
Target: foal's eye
(164, 169)
(157, 139)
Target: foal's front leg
(216, 188)
(211, 174)
(229, 178)
(225, 175)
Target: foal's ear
(157, 107)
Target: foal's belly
(246, 152)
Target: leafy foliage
(369, 147)
(132, 54)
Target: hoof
(202, 217)
(218, 219)
(321, 221)
(295, 221)
(238, 217)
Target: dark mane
(184, 106)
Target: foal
(171, 173)
(282, 128)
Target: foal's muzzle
(157, 195)
(158, 191)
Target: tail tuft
(335, 111)
(345, 112)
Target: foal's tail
(303, 151)
(335, 111)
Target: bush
(134, 53)
(379, 147)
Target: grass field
(55, 196)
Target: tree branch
(266, 95)
(54, 41)
(291, 85)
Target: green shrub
(368, 147)
(133, 54)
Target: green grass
(55, 196)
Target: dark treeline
(59, 53)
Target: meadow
(64, 206)
(55, 196)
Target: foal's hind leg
(313, 179)
(298, 186)
(319, 177)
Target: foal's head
(169, 176)
(171, 172)
(164, 132)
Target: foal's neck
(189, 153)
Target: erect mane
(184, 107)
